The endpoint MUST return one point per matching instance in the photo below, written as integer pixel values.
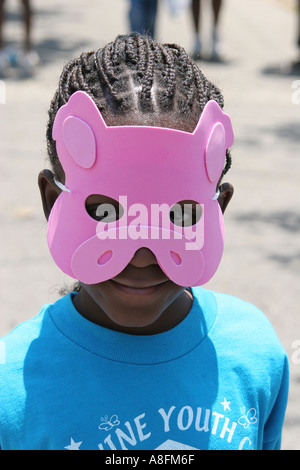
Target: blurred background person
(196, 14)
(28, 58)
(298, 61)
(142, 16)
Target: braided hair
(137, 81)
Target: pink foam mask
(147, 170)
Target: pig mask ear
(215, 153)
(217, 132)
(73, 131)
(79, 141)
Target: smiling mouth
(137, 290)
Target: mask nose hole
(175, 257)
(105, 257)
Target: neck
(170, 317)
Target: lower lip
(135, 291)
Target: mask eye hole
(103, 208)
(185, 213)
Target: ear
(80, 141)
(215, 153)
(215, 128)
(48, 189)
(73, 131)
(212, 114)
(226, 193)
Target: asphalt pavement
(261, 263)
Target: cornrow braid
(135, 80)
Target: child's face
(136, 282)
(139, 300)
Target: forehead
(146, 162)
(133, 144)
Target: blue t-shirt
(218, 380)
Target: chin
(138, 320)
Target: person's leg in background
(27, 17)
(4, 57)
(151, 14)
(1, 23)
(196, 17)
(216, 6)
(142, 16)
(29, 59)
(298, 42)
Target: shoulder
(249, 346)
(14, 351)
(16, 344)
(241, 314)
(22, 366)
(230, 308)
(25, 352)
(247, 338)
(242, 327)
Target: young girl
(135, 358)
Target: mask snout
(97, 260)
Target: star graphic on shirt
(74, 445)
(226, 404)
